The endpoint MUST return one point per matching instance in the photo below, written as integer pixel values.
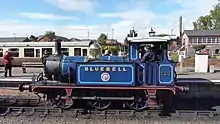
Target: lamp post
(152, 32)
(14, 36)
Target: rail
(31, 64)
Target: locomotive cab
(154, 66)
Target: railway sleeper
(188, 112)
(150, 112)
(88, 113)
(20, 110)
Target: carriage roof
(44, 44)
(151, 39)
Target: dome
(95, 51)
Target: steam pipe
(58, 47)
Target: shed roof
(192, 33)
(12, 39)
(151, 39)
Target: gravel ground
(66, 120)
(16, 93)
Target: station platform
(187, 75)
(18, 76)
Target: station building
(209, 38)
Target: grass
(174, 57)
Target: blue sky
(73, 18)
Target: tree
(102, 39)
(113, 49)
(50, 34)
(33, 38)
(215, 14)
(203, 23)
(210, 21)
(107, 46)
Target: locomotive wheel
(61, 103)
(140, 101)
(98, 103)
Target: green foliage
(112, 49)
(198, 47)
(214, 57)
(102, 39)
(32, 38)
(174, 57)
(210, 21)
(50, 34)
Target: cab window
(150, 52)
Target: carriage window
(77, 51)
(14, 52)
(37, 53)
(29, 52)
(65, 51)
(84, 52)
(1, 52)
(49, 50)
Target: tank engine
(101, 80)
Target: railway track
(43, 112)
(14, 106)
(33, 107)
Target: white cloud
(142, 19)
(21, 29)
(46, 16)
(85, 6)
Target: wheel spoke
(137, 105)
(132, 103)
(95, 103)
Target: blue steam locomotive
(98, 80)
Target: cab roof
(151, 39)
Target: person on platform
(8, 63)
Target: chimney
(58, 47)
(181, 26)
